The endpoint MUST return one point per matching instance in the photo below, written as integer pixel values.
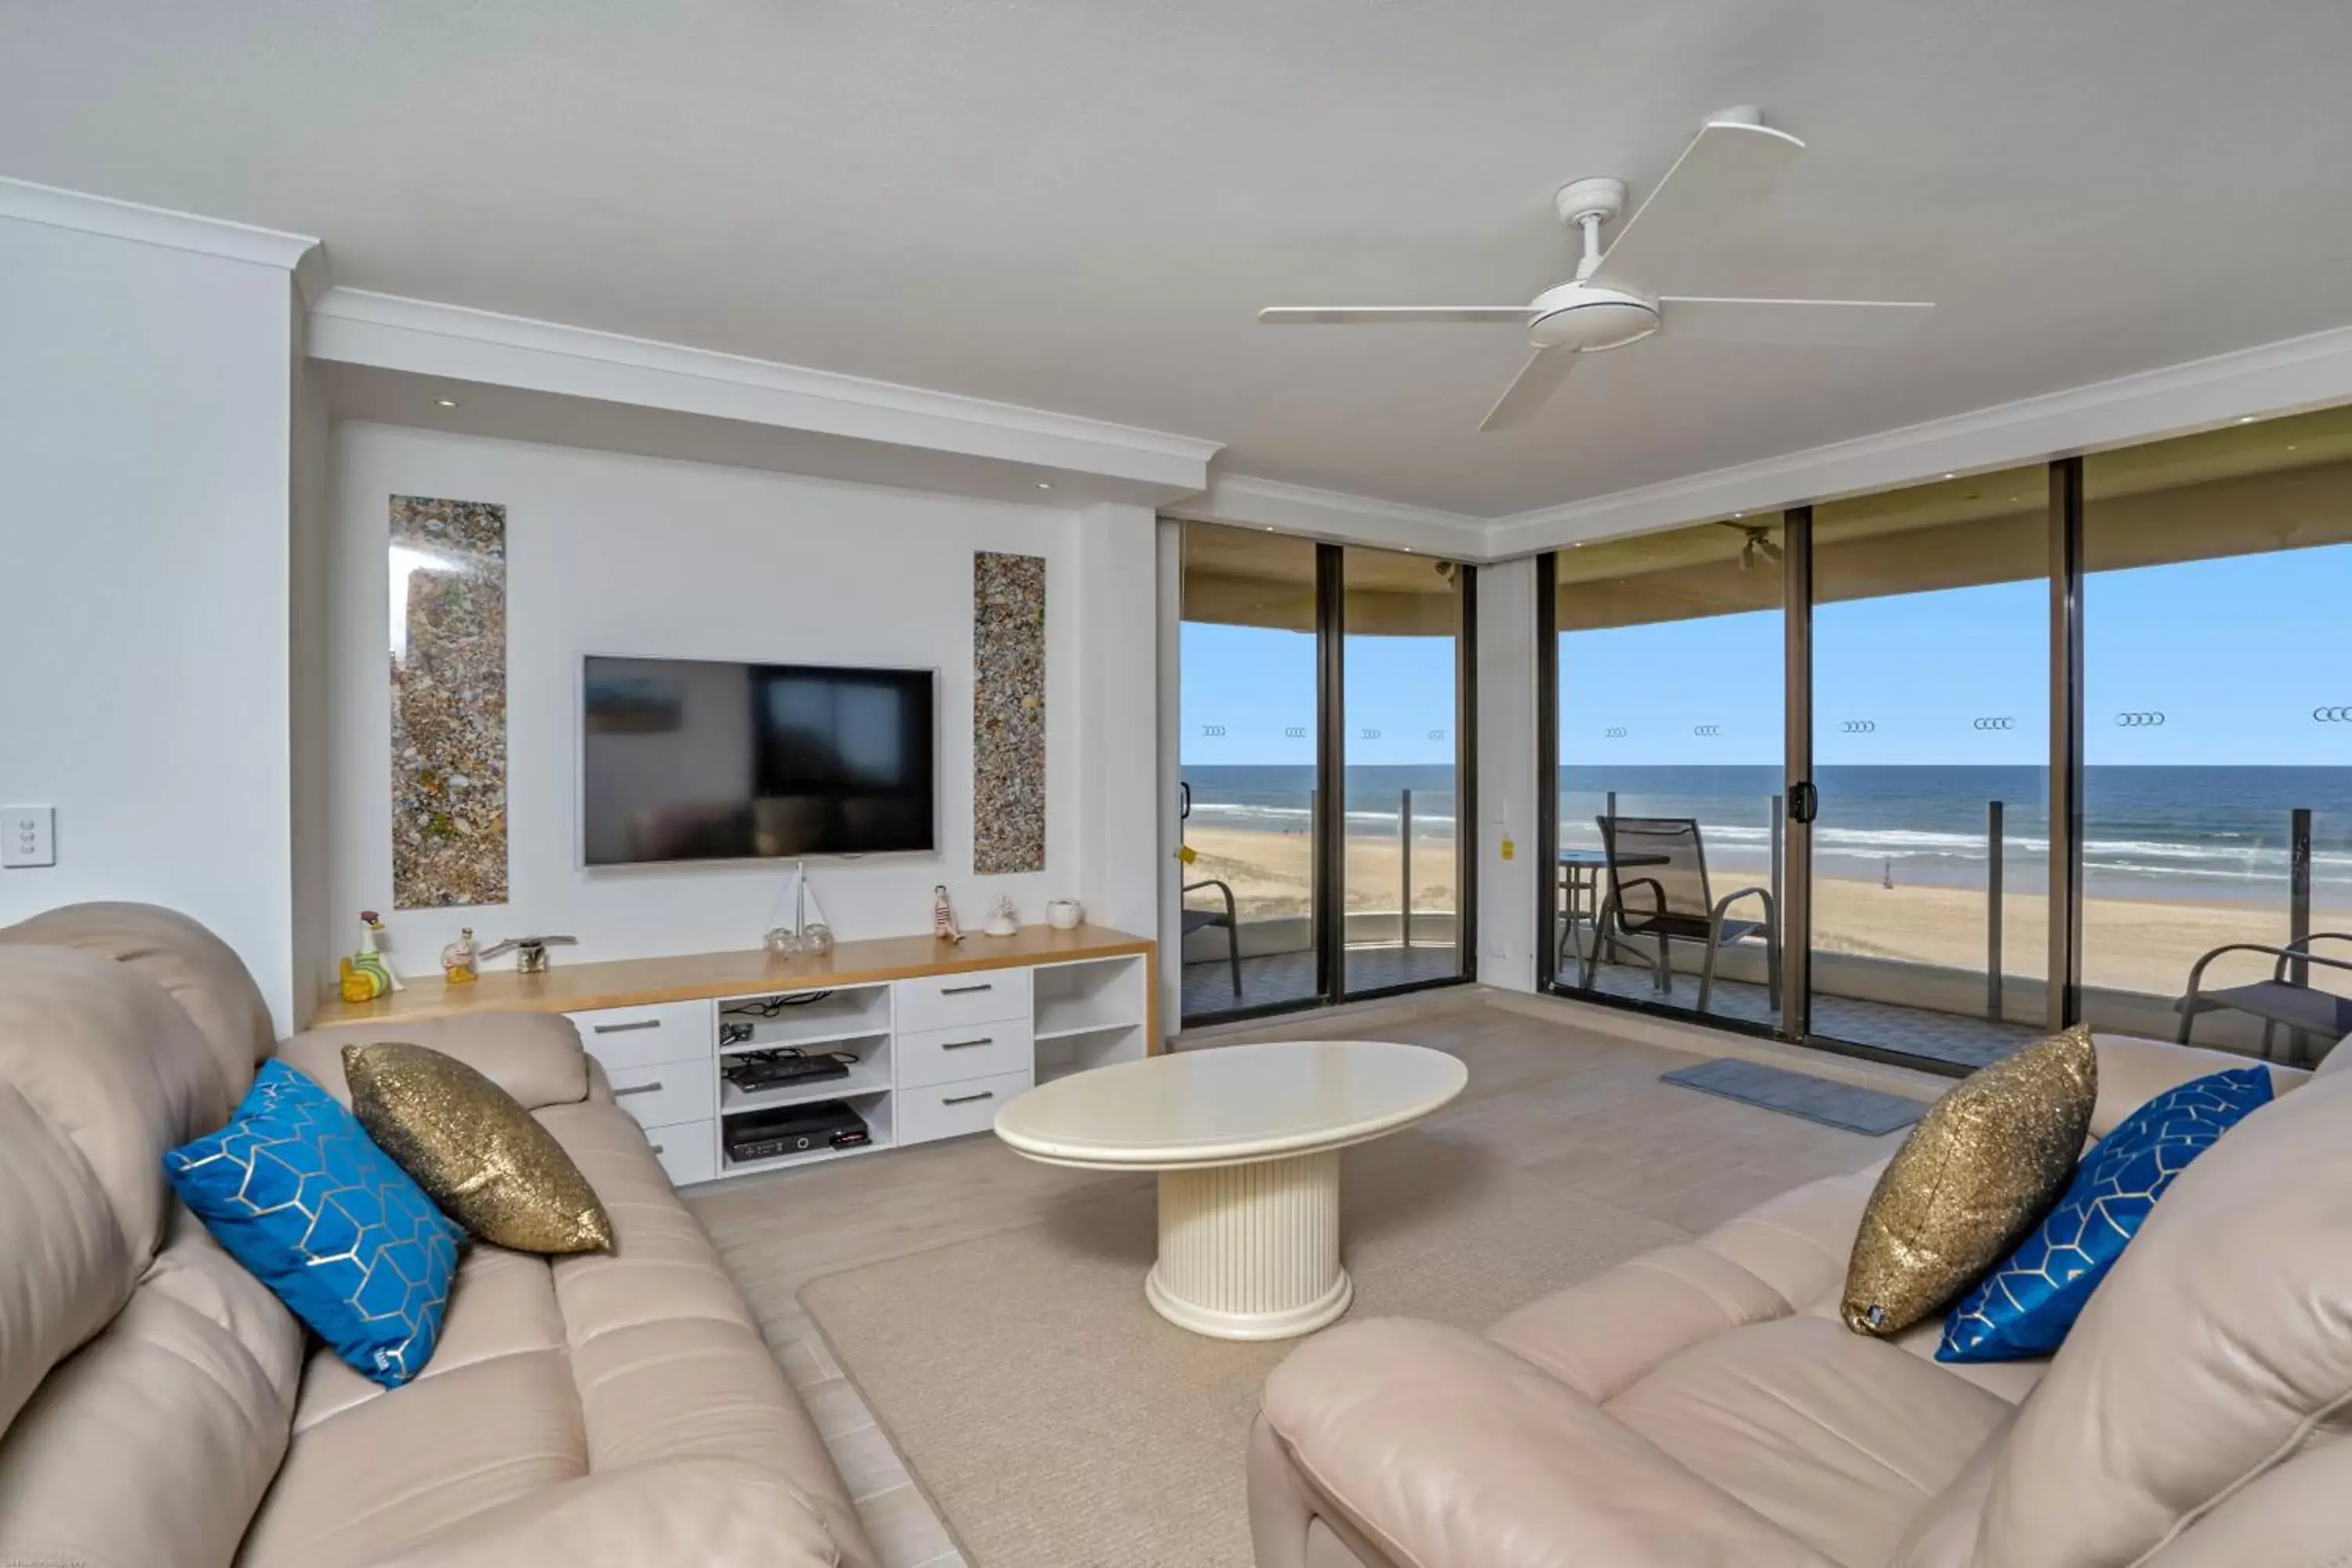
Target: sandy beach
(2145, 946)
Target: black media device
(794, 1129)
(752, 1070)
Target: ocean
(2192, 833)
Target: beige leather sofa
(158, 1406)
(1702, 1404)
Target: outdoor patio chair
(2285, 997)
(1201, 919)
(1658, 893)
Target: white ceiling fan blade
(1538, 380)
(1682, 230)
(1357, 315)
(1847, 324)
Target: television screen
(703, 760)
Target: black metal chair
(1201, 919)
(1658, 893)
(2280, 999)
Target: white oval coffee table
(1246, 1141)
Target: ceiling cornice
(1245, 501)
(299, 255)
(419, 337)
(2284, 377)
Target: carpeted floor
(1052, 1418)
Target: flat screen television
(688, 759)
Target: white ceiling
(1078, 205)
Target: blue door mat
(1800, 1094)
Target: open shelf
(853, 1013)
(1060, 1019)
(871, 1077)
(806, 1041)
(727, 1167)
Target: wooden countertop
(636, 982)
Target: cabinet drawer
(951, 1001)
(667, 1093)
(974, 1050)
(640, 1036)
(948, 1109)
(688, 1151)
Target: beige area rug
(1057, 1421)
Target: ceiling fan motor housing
(1591, 317)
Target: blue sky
(2235, 653)
(1258, 685)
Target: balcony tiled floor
(1914, 1031)
(1290, 976)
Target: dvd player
(793, 1130)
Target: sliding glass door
(2217, 778)
(1323, 768)
(1665, 888)
(2069, 742)
(1930, 742)
(1402, 617)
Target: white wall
(619, 554)
(144, 448)
(1507, 781)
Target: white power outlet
(28, 835)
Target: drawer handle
(961, 990)
(966, 1045)
(653, 1088)
(968, 1099)
(624, 1028)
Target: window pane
(2218, 582)
(1670, 745)
(1402, 616)
(1247, 755)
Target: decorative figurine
(1003, 918)
(460, 964)
(807, 932)
(372, 940)
(531, 952)
(943, 920)
(365, 977)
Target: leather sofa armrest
(692, 1511)
(535, 1057)
(1444, 1450)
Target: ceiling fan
(1671, 238)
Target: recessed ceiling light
(2245, 419)
(1740, 514)
(1044, 484)
(1952, 476)
(446, 402)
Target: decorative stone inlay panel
(448, 703)
(1008, 714)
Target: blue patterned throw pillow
(297, 1191)
(2024, 1307)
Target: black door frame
(1327, 830)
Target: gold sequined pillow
(474, 1149)
(1979, 1169)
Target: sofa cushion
(197, 969)
(474, 1149)
(2220, 1347)
(1839, 1439)
(1974, 1175)
(2133, 1071)
(115, 1067)
(1601, 1336)
(294, 1188)
(534, 1056)
(2024, 1307)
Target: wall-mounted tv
(687, 759)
